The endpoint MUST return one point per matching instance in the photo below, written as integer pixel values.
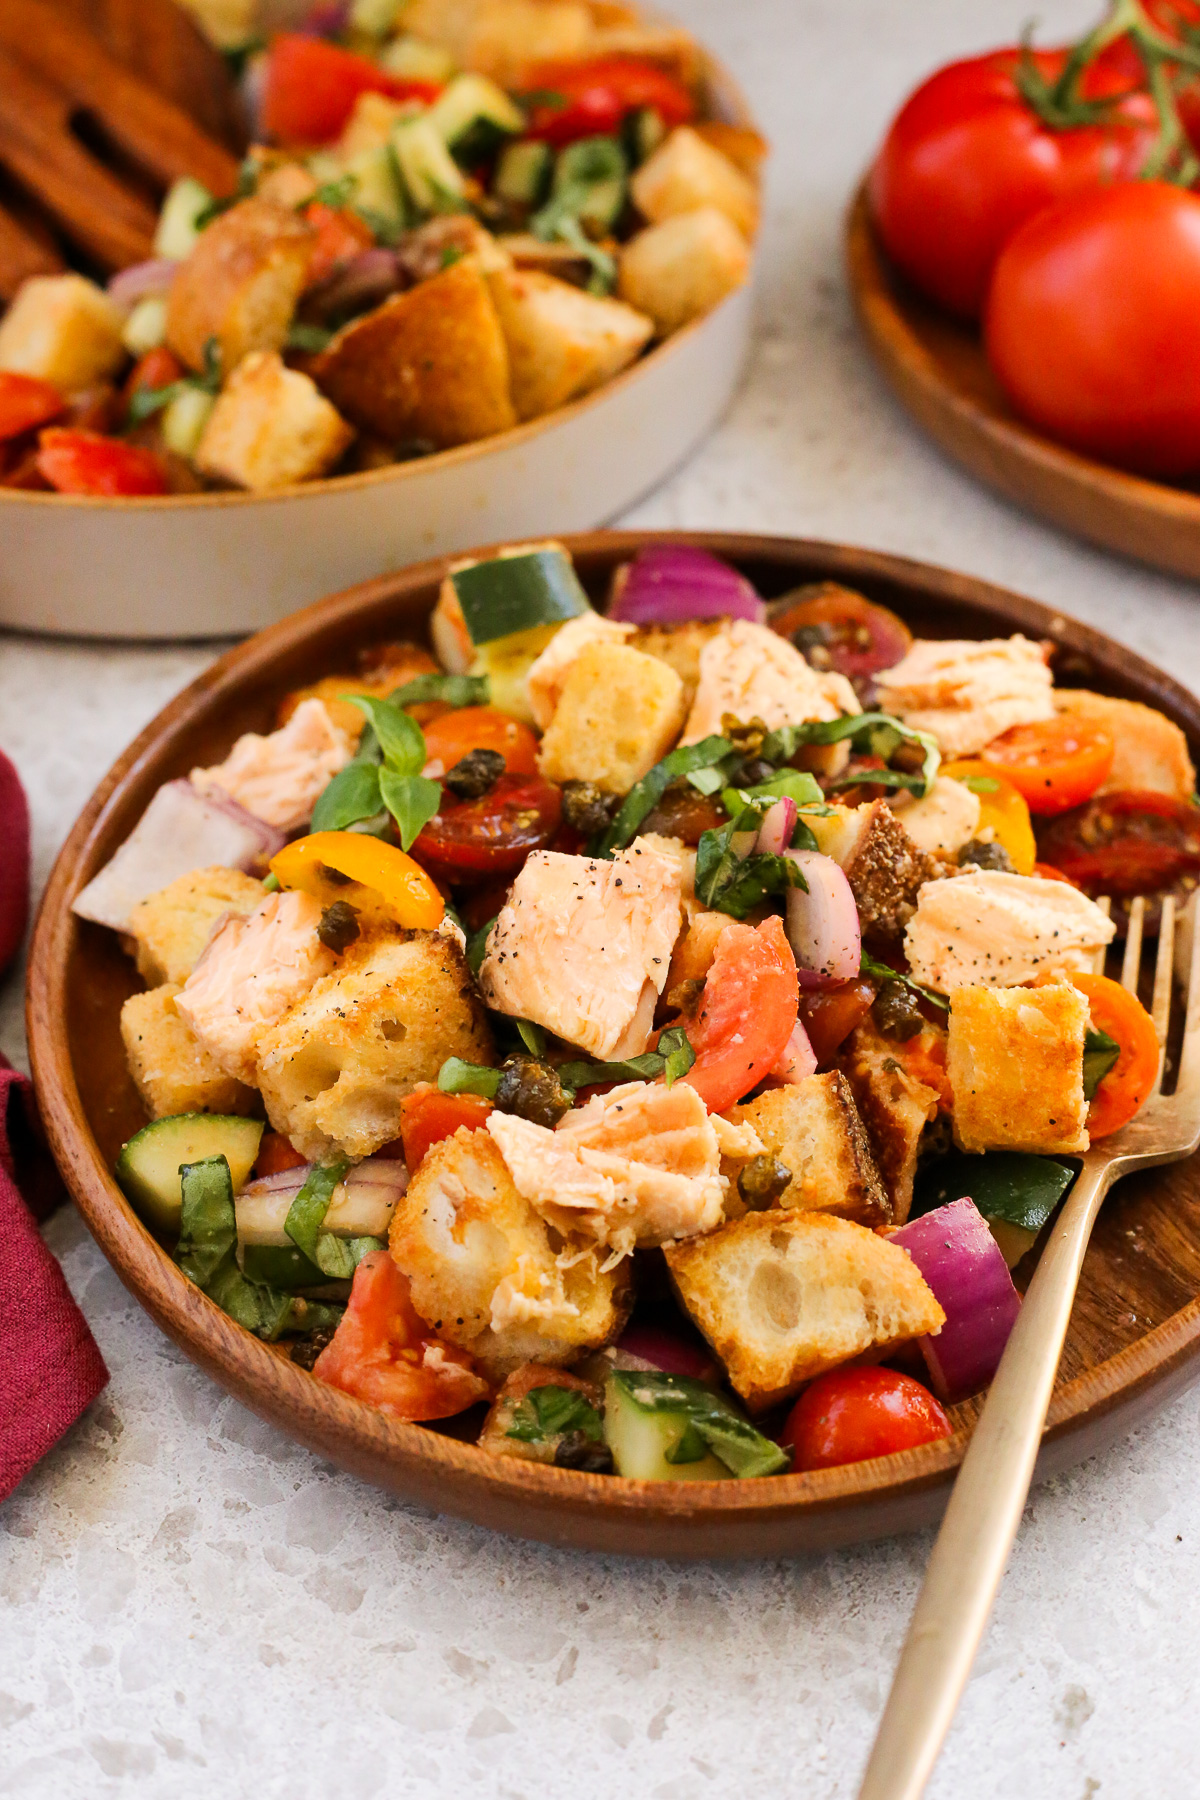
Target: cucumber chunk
(177, 231)
(148, 1166)
(671, 1428)
(517, 592)
(432, 178)
(523, 173)
(473, 117)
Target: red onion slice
(775, 832)
(799, 1059)
(655, 1348)
(822, 924)
(670, 584)
(271, 840)
(963, 1264)
(141, 281)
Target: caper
(576, 1450)
(745, 735)
(896, 1012)
(532, 1091)
(754, 771)
(587, 808)
(475, 774)
(986, 856)
(333, 876)
(813, 641)
(339, 926)
(306, 1350)
(762, 1181)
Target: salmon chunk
(753, 673)
(280, 777)
(967, 693)
(583, 947)
(994, 930)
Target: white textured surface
(194, 1607)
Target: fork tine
(1133, 944)
(1105, 905)
(1160, 1006)
(1189, 1059)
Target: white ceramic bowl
(209, 565)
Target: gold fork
(985, 1507)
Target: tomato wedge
(572, 100)
(84, 462)
(1125, 843)
(379, 1352)
(311, 88)
(841, 630)
(26, 402)
(476, 840)
(1001, 807)
(830, 1014)
(275, 1154)
(427, 1116)
(746, 1012)
(449, 738)
(1125, 1089)
(341, 236)
(851, 1415)
(1055, 764)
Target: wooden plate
(937, 367)
(1135, 1335)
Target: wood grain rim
(723, 1519)
(923, 354)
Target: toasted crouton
(64, 330)
(505, 37)
(815, 1130)
(884, 867)
(506, 1412)
(894, 1106)
(682, 268)
(271, 426)
(488, 1274)
(431, 363)
(619, 714)
(171, 928)
(783, 1296)
(680, 646)
(171, 1070)
(240, 284)
(1151, 751)
(685, 173)
(1015, 1063)
(745, 148)
(334, 1070)
(371, 123)
(562, 343)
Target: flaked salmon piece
(583, 946)
(752, 672)
(639, 1165)
(547, 676)
(1151, 751)
(252, 971)
(943, 820)
(966, 693)
(280, 777)
(985, 929)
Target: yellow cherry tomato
(1001, 807)
(375, 878)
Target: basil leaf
(877, 733)
(1100, 1053)
(310, 338)
(677, 1053)
(789, 784)
(734, 884)
(671, 1061)
(307, 1212)
(549, 1412)
(401, 738)
(458, 1077)
(353, 794)
(144, 402)
(715, 860)
(645, 795)
(705, 781)
(881, 971)
(332, 193)
(412, 801)
(454, 690)
(532, 1036)
(980, 784)
(477, 946)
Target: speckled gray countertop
(194, 1607)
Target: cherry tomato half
(275, 1154)
(312, 87)
(449, 738)
(378, 1351)
(1001, 807)
(84, 462)
(830, 1014)
(851, 1415)
(26, 402)
(475, 840)
(1055, 764)
(589, 99)
(427, 1116)
(157, 369)
(1124, 843)
(745, 1013)
(838, 629)
(1124, 1090)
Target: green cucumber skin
(147, 1169)
(640, 1440)
(1010, 1185)
(472, 101)
(523, 173)
(515, 593)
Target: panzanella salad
(444, 231)
(641, 1020)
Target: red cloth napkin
(50, 1367)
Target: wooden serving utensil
(103, 103)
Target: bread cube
(489, 1274)
(894, 1106)
(619, 714)
(370, 125)
(504, 38)
(744, 147)
(504, 1410)
(171, 928)
(687, 172)
(271, 426)
(1151, 751)
(335, 1068)
(784, 1296)
(681, 269)
(680, 646)
(562, 342)
(815, 1130)
(1015, 1062)
(171, 1070)
(240, 284)
(431, 364)
(884, 867)
(64, 330)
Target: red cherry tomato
(312, 86)
(26, 402)
(341, 236)
(275, 1154)
(1055, 764)
(157, 369)
(745, 1013)
(449, 738)
(84, 462)
(427, 1116)
(1122, 844)
(477, 840)
(830, 1014)
(967, 161)
(837, 629)
(379, 1351)
(1090, 325)
(851, 1415)
(590, 99)
(1124, 1090)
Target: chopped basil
(549, 1412)
(673, 1058)
(875, 734)
(309, 338)
(453, 690)
(477, 946)
(733, 884)
(532, 1036)
(458, 1077)
(1100, 1053)
(145, 402)
(645, 795)
(881, 971)
(334, 194)
(706, 781)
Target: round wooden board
(938, 369)
(1135, 1333)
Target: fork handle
(983, 1514)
